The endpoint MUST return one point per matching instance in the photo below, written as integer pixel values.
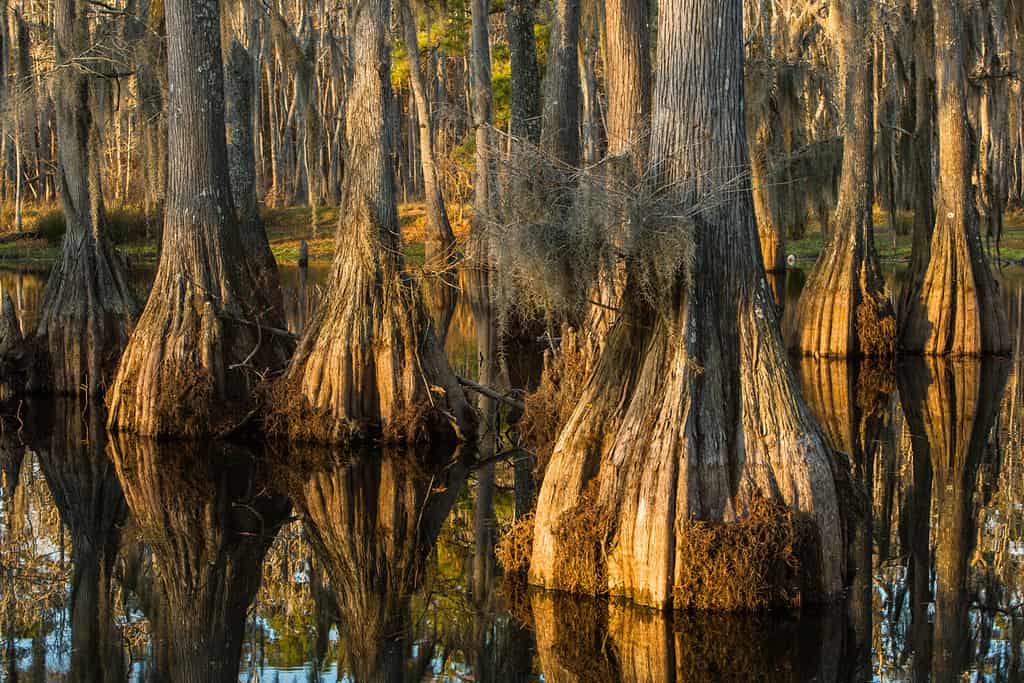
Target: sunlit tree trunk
(956, 309)
(692, 409)
(369, 361)
(844, 310)
(89, 306)
(203, 339)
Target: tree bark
(956, 309)
(368, 360)
(238, 100)
(525, 76)
(692, 410)
(199, 343)
(560, 127)
(440, 240)
(924, 142)
(627, 63)
(89, 306)
(844, 310)
(209, 518)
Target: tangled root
(876, 331)
(549, 407)
(751, 564)
(516, 545)
(585, 532)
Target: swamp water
(378, 566)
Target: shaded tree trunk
(368, 359)
(89, 306)
(525, 76)
(560, 127)
(201, 336)
(439, 242)
(692, 410)
(844, 310)
(238, 118)
(956, 309)
(924, 141)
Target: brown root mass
(513, 549)
(549, 407)
(751, 564)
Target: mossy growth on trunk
(369, 364)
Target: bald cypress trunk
(955, 309)
(692, 410)
(369, 360)
(88, 307)
(560, 127)
(440, 240)
(200, 345)
(628, 79)
(525, 77)
(923, 143)
(844, 310)
(238, 103)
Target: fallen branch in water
(491, 393)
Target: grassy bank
(137, 235)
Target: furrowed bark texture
(369, 359)
(628, 78)
(956, 309)
(209, 521)
(560, 128)
(238, 118)
(525, 81)
(923, 143)
(844, 310)
(439, 243)
(88, 306)
(692, 409)
(200, 341)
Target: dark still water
(306, 564)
